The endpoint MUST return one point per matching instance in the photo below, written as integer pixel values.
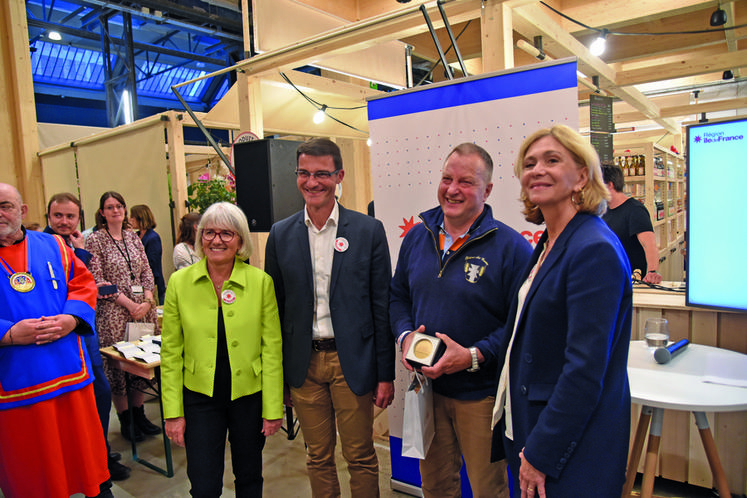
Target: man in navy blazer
(331, 268)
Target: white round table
(681, 385)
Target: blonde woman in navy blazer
(564, 419)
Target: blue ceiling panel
(172, 42)
(52, 63)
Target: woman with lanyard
(119, 259)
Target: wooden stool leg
(712, 454)
(635, 453)
(652, 453)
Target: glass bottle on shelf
(641, 165)
(658, 166)
(658, 204)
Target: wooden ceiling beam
(659, 72)
(589, 65)
(685, 110)
(533, 20)
(621, 139)
(689, 54)
(731, 36)
(613, 14)
(362, 34)
(323, 86)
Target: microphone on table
(665, 355)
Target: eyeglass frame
(219, 234)
(318, 175)
(112, 207)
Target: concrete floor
(284, 470)
(284, 467)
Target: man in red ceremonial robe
(48, 446)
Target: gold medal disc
(423, 348)
(22, 282)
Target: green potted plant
(207, 191)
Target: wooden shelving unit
(667, 184)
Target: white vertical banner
(413, 130)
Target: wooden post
(19, 141)
(177, 165)
(250, 95)
(497, 36)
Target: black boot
(142, 423)
(105, 490)
(117, 471)
(124, 423)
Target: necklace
(20, 281)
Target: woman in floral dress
(119, 259)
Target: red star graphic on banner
(408, 224)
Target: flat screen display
(716, 210)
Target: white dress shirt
(322, 245)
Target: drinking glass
(656, 332)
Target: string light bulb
(598, 46)
(320, 114)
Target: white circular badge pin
(228, 296)
(341, 244)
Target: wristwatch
(475, 365)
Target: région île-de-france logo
(716, 137)
(474, 268)
(408, 224)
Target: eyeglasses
(112, 207)
(318, 175)
(225, 236)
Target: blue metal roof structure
(145, 47)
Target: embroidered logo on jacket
(474, 268)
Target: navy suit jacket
(570, 399)
(359, 298)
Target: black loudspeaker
(266, 181)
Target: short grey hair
(226, 215)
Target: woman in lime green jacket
(221, 357)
